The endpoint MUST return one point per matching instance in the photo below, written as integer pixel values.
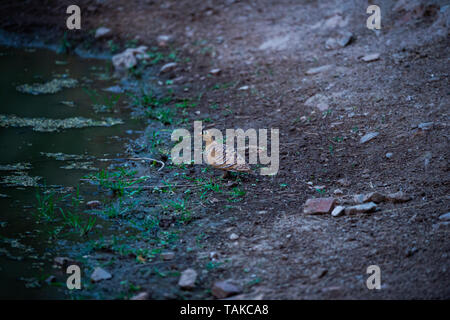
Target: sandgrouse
(227, 160)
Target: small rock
(319, 101)
(320, 273)
(371, 57)
(411, 251)
(50, 279)
(168, 255)
(101, 32)
(94, 204)
(317, 70)
(168, 67)
(234, 236)
(441, 226)
(215, 71)
(370, 197)
(338, 211)
(100, 274)
(318, 206)
(243, 88)
(369, 136)
(344, 182)
(361, 208)
(64, 262)
(445, 216)
(163, 40)
(345, 38)
(223, 289)
(398, 197)
(425, 125)
(338, 192)
(114, 89)
(213, 255)
(141, 296)
(389, 155)
(187, 279)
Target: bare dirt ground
(281, 253)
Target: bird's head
(207, 136)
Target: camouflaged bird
(227, 160)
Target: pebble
(168, 67)
(94, 204)
(344, 182)
(425, 125)
(318, 206)
(370, 197)
(389, 155)
(361, 208)
(398, 197)
(187, 279)
(163, 40)
(317, 70)
(215, 71)
(234, 236)
(141, 296)
(338, 192)
(445, 216)
(371, 57)
(369, 136)
(100, 274)
(101, 32)
(338, 211)
(168, 255)
(223, 289)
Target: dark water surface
(26, 253)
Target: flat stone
(317, 70)
(369, 136)
(187, 279)
(361, 208)
(319, 206)
(101, 32)
(168, 255)
(444, 226)
(163, 40)
(425, 125)
(94, 204)
(64, 262)
(338, 211)
(223, 289)
(141, 296)
(370, 197)
(371, 57)
(215, 72)
(318, 101)
(233, 236)
(445, 216)
(398, 197)
(100, 274)
(338, 192)
(344, 182)
(168, 67)
(389, 155)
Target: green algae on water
(20, 179)
(50, 87)
(49, 125)
(80, 166)
(15, 167)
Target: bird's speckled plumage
(227, 160)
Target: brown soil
(269, 46)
